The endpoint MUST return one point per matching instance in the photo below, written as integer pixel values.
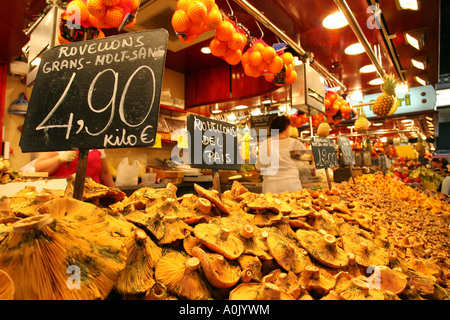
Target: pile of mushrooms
(350, 243)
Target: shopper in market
(64, 163)
(279, 170)
(440, 166)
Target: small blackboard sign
(212, 144)
(102, 93)
(324, 153)
(347, 152)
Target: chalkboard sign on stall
(212, 144)
(102, 93)
(346, 149)
(324, 153)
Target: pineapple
(324, 129)
(361, 124)
(385, 101)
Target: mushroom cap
(251, 268)
(213, 197)
(367, 253)
(288, 255)
(386, 279)
(323, 248)
(271, 203)
(219, 240)
(357, 288)
(180, 274)
(327, 222)
(258, 291)
(237, 189)
(316, 280)
(219, 272)
(287, 282)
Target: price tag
(95, 94)
(212, 144)
(347, 152)
(324, 153)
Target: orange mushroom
(317, 281)
(219, 240)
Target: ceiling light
(368, 69)
(377, 124)
(256, 112)
(401, 88)
(354, 49)
(415, 38)
(205, 50)
(419, 62)
(216, 111)
(335, 21)
(240, 107)
(409, 4)
(376, 82)
(422, 80)
(406, 120)
(266, 101)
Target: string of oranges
(100, 14)
(337, 108)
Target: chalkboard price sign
(212, 144)
(324, 153)
(347, 152)
(102, 93)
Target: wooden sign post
(324, 155)
(347, 154)
(97, 94)
(212, 145)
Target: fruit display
(229, 42)
(357, 241)
(194, 17)
(361, 123)
(298, 119)
(8, 174)
(323, 129)
(337, 108)
(89, 17)
(386, 103)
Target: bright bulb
(335, 21)
(355, 48)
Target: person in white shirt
(279, 170)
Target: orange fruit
(96, 8)
(263, 66)
(292, 77)
(213, 19)
(237, 41)
(209, 4)
(244, 59)
(197, 28)
(255, 58)
(225, 31)
(114, 16)
(218, 48)
(269, 77)
(277, 65)
(110, 3)
(258, 46)
(134, 4)
(183, 5)
(180, 21)
(233, 57)
(288, 58)
(288, 69)
(251, 71)
(97, 22)
(268, 53)
(197, 11)
(78, 12)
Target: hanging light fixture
(415, 38)
(408, 4)
(335, 20)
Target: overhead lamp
(419, 62)
(215, 109)
(205, 50)
(241, 107)
(335, 21)
(256, 112)
(368, 68)
(376, 82)
(401, 88)
(408, 4)
(415, 38)
(422, 79)
(353, 49)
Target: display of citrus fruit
(213, 19)
(114, 16)
(197, 11)
(180, 21)
(225, 31)
(96, 8)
